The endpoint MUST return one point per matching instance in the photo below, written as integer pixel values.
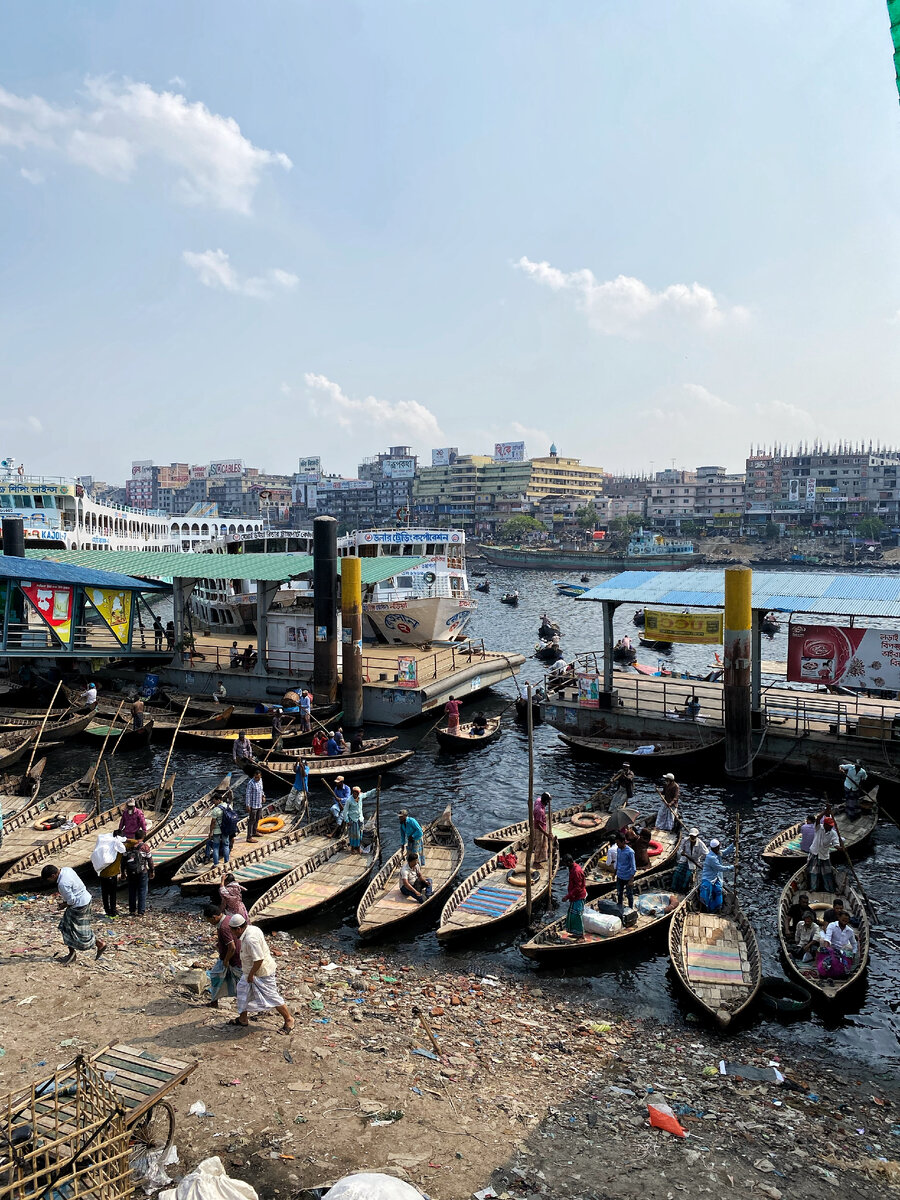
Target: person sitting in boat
(711, 894)
(639, 841)
(319, 743)
(357, 742)
(219, 693)
(691, 855)
(807, 833)
(479, 725)
(839, 949)
(796, 910)
(855, 776)
(412, 882)
(89, 695)
(339, 738)
(691, 708)
(832, 913)
(332, 749)
(667, 813)
(806, 937)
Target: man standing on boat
(691, 855)
(254, 798)
(412, 836)
(667, 814)
(341, 795)
(305, 712)
(855, 776)
(242, 750)
(451, 708)
(137, 713)
(624, 781)
(711, 893)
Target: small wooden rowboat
(572, 826)
(716, 956)
(224, 739)
(68, 725)
(495, 895)
(200, 862)
(332, 874)
(73, 848)
(384, 907)
(24, 831)
(784, 848)
(826, 989)
(465, 738)
(669, 754)
(164, 722)
(599, 878)
(123, 736)
(370, 746)
(184, 834)
(326, 768)
(263, 864)
(554, 944)
(13, 746)
(19, 790)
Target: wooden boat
(165, 723)
(184, 834)
(553, 945)
(521, 707)
(347, 765)
(623, 653)
(784, 848)
(570, 590)
(488, 899)
(66, 726)
(572, 826)
(275, 857)
(384, 907)
(600, 879)
(331, 874)
(825, 989)
(174, 702)
(73, 847)
(199, 862)
(639, 618)
(122, 736)
(14, 745)
(466, 739)
(659, 647)
(370, 746)
(23, 832)
(548, 651)
(669, 754)
(716, 956)
(510, 598)
(770, 624)
(224, 739)
(483, 587)
(19, 790)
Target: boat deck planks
(716, 956)
(486, 899)
(184, 834)
(564, 829)
(370, 746)
(19, 835)
(465, 739)
(276, 856)
(332, 873)
(599, 878)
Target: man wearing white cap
(691, 855)
(667, 814)
(257, 990)
(711, 893)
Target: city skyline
(445, 227)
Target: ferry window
(404, 581)
(6, 501)
(409, 550)
(23, 502)
(430, 549)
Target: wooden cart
(140, 1079)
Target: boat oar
(112, 794)
(172, 746)
(513, 674)
(673, 811)
(109, 730)
(870, 907)
(37, 740)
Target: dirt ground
(537, 1090)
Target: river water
(488, 788)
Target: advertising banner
(445, 457)
(142, 470)
(509, 452)
(199, 472)
(829, 654)
(114, 606)
(588, 691)
(407, 674)
(810, 489)
(398, 468)
(310, 466)
(694, 628)
(54, 602)
(226, 467)
(794, 490)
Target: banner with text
(114, 606)
(588, 691)
(54, 602)
(407, 673)
(509, 451)
(694, 628)
(858, 658)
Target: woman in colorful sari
(541, 838)
(839, 950)
(576, 896)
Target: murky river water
(488, 788)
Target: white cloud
(33, 176)
(400, 419)
(626, 306)
(681, 407)
(21, 425)
(120, 124)
(790, 420)
(214, 270)
(699, 395)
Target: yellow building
(558, 476)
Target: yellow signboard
(696, 628)
(114, 606)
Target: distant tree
(627, 524)
(771, 531)
(871, 527)
(518, 527)
(587, 516)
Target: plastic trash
(600, 924)
(210, 1182)
(662, 1117)
(369, 1185)
(197, 1109)
(149, 1167)
(105, 852)
(767, 1074)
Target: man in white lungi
(257, 990)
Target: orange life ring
(653, 849)
(270, 824)
(586, 820)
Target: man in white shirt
(90, 695)
(257, 990)
(839, 949)
(76, 926)
(412, 882)
(855, 776)
(305, 712)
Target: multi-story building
(391, 474)
(671, 499)
(147, 481)
(720, 499)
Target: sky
(654, 234)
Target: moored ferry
(646, 550)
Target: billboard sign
(810, 490)
(199, 472)
(856, 658)
(310, 466)
(399, 468)
(693, 628)
(794, 491)
(445, 457)
(407, 672)
(509, 452)
(143, 470)
(345, 485)
(588, 690)
(225, 468)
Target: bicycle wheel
(156, 1129)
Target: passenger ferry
(227, 601)
(646, 550)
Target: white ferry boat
(227, 601)
(429, 603)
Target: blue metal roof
(45, 571)
(820, 592)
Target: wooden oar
(172, 746)
(41, 730)
(378, 817)
(109, 730)
(112, 794)
(529, 849)
(673, 811)
(872, 910)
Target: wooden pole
(378, 817)
(873, 912)
(736, 686)
(41, 730)
(174, 736)
(529, 852)
(549, 847)
(112, 794)
(109, 729)
(737, 846)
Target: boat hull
(435, 619)
(577, 560)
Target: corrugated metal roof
(273, 568)
(56, 572)
(820, 592)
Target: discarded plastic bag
(600, 924)
(105, 852)
(371, 1186)
(662, 1117)
(209, 1182)
(149, 1167)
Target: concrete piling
(351, 642)
(325, 610)
(737, 693)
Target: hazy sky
(645, 231)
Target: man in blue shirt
(338, 809)
(412, 836)
(332, 749)
(300, 790)
(625, 870)
(711, 894)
